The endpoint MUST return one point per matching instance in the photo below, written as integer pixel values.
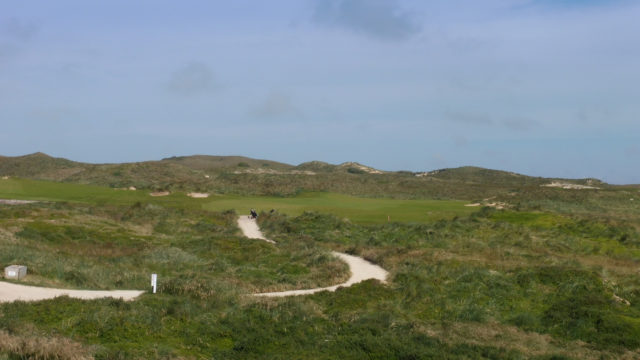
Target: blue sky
(540, 87)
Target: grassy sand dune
(554, 276)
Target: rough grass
(219, 175)
(539, 281)
(500, 266)
(108, 248)
(28, 346)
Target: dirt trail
(10, 292)
(360, 268)
(16, 202)
(251, 230)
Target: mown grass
(363, 210)
(360, 210)
(26, 189)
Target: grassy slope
(548, 279)
(212, 163)
(497, 284)
(118, 247)
(228, 175)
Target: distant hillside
(318, 166)
(242, 175)
(476, 175)
(213, 163)
(40, 166)
(350, 167)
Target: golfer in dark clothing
(254, 214)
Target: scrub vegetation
(553, 275)
(236, 175)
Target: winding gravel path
(360, 268)
(10, 292)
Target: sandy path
(16, 202)
(251, 230)
(11, 292)
(360, 268)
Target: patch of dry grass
(42, 348)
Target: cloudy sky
(540, 87)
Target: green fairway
(53, 191)
(362, 210)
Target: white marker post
(154, 282)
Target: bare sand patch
(274, 172)
(428, 173)
(497, 205)
(196, 195)
(160, 193)
(564, 185)
(364, 168)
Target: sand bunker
(497, 205)
(5, 178)
(198, 195)
(160, 193)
